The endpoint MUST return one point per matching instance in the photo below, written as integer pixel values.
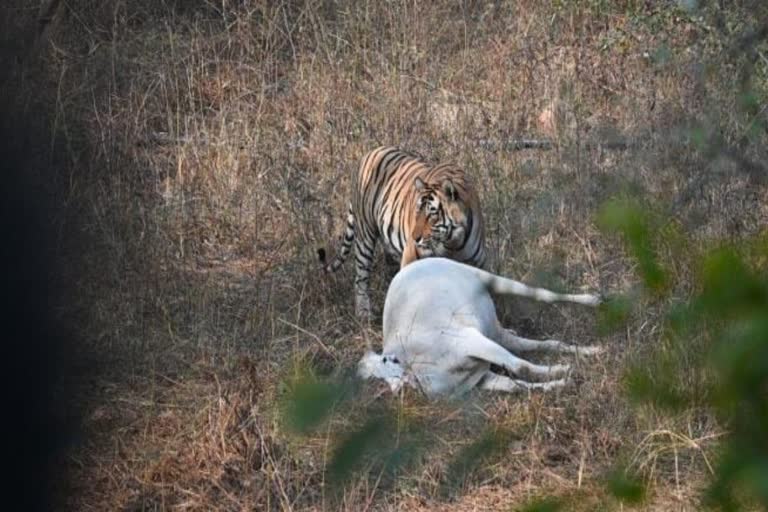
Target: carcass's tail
(503, 286)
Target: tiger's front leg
(364, 246)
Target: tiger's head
(440, 221)
(446, 213)
(420, 243)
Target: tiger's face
(445, 216)
(420, 243)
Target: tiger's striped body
(391, 191)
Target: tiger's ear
(450, 190)
(418, 183)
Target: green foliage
(355, 445)
(376, 441)
(405, 452)
(309, 401)
(730, 288)
(626, 489)
(389, 448)
(713, 351)
(543, 505)
(633, 223)
(613, 313)
(698, 137)
(656, 383)
(471, 456)
(725, 327)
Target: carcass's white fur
(441, 333)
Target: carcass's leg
(472, 343)
(496, 382)
(511, 341)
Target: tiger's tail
(346, 245)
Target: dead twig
(313, 336)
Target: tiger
(391, 191)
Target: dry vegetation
(204, 151)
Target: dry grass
(209, 146)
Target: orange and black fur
(391, 191)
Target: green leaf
(730, 288)
(749, 101)
(542, 505)
(626, 489)
(613, 314)
(352, 449)
(629, 220)
(405, 454)
(655, 383)
(471, 456)
(309, 402)
(698, 137)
